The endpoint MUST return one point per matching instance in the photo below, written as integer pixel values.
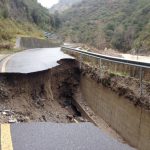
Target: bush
(4, 35)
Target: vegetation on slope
(121, 24)
(21, 17)
(25, 10)
(10, 29)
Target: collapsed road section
(118, 92)
(46, 93)
(41, 96)
(30, 82)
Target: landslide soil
(43, 96)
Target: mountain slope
(21, 17)
(121, 24)
(63, 5)
(25, 10)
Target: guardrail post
(80, 61)
(115, 69)
(141, 81)
(100, 67)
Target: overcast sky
(48, 3)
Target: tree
(55, 20)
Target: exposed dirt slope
(43, 96)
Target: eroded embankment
(50, 96)
(117, 100)
(42, 96)
(126, 87)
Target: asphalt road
(52, 136)
(32, 60)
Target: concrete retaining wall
(132, 123)
(29, 42)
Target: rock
(44, 118)
(7, 112)
(81, 119)
(4, 113)
(70, 117)
(12, 120)
(57, 116)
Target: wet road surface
(52, 136)
(33, 60)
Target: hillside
(63, 5)
(119, 24)
(25, 10)
(21, 17)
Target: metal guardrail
(140, 65)
(110, 58)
